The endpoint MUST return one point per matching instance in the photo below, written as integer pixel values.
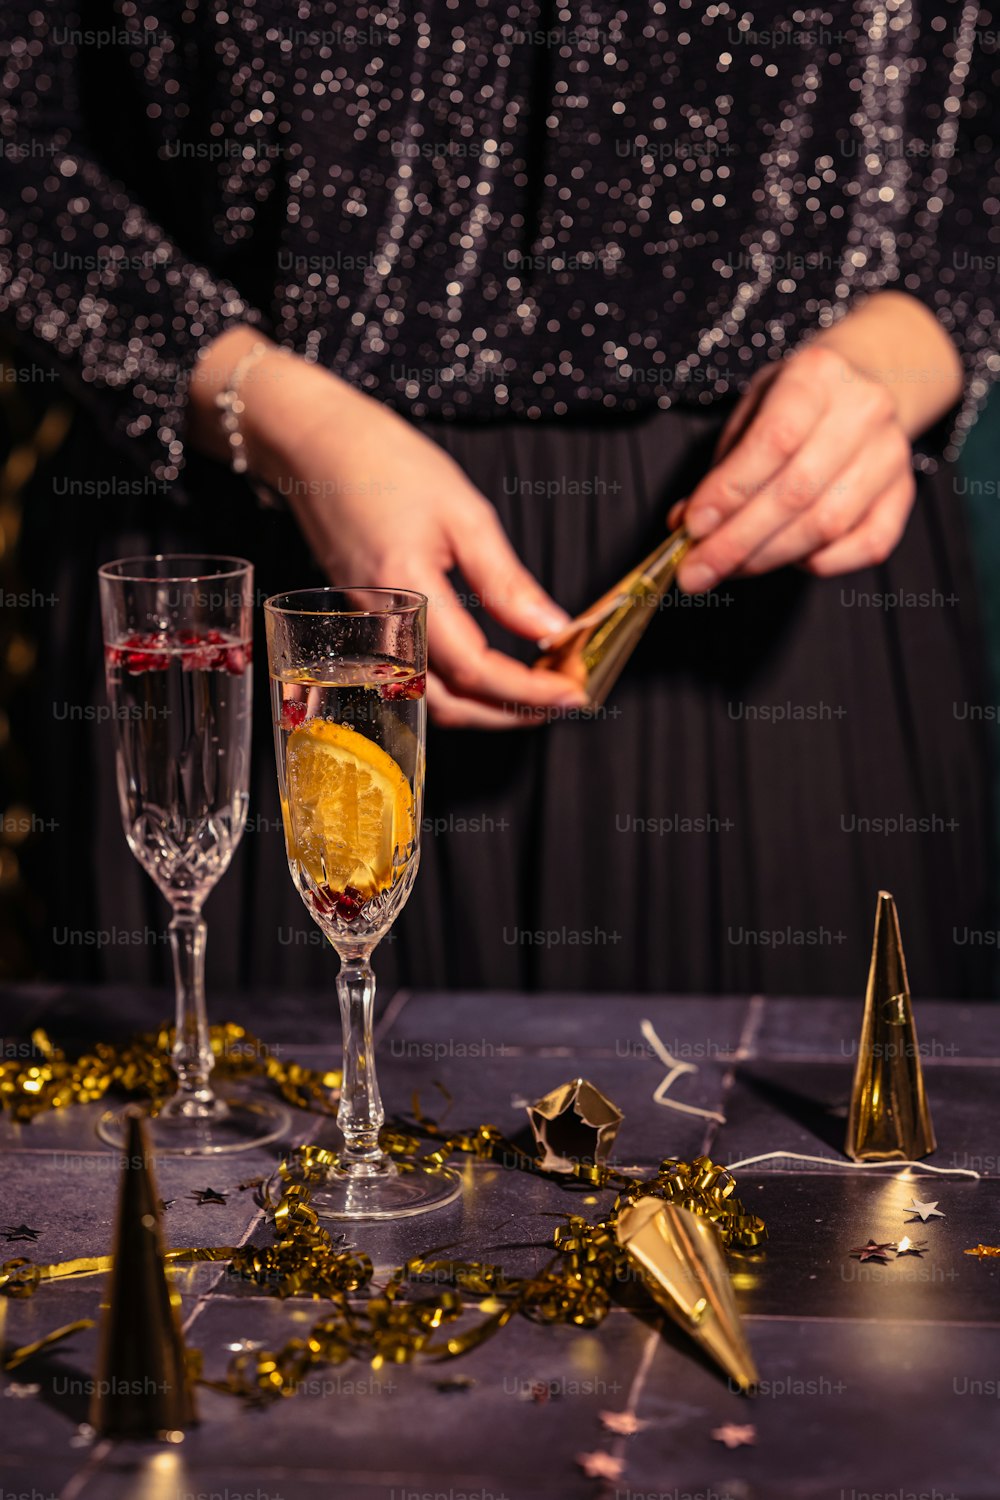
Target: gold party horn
(889, 1119)
(593, 648)
(684, 1268)
(143, 1387)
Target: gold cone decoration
(593, 648)
(889, 1118)
(143, 1388)
(574, 1124)
(683, 1267)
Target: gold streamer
(400, 1320)
(142, 1066)
(27, 1350)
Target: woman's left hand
(815, 469)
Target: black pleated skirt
(774, 754)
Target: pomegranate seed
(344, 904)
(293, 714)
(235, 660)
(412, 687)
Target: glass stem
(192, 1052)
(360, 1115)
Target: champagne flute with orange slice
(348, 671)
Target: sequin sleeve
(87, 278)
(949, 244)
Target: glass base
(388, 1190)
(241, 1121)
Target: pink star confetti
(601, 1465)
(734, 1436)
(622, 1423)
(874, 1251)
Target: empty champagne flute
(348, 677)
(177, 652)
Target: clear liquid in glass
(181, 706)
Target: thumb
(495, 572)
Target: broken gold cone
(593, 648)
(143, 1387)
(889, 1118)
(572, 1124)
(683, 1266)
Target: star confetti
(735, 1436)
(907, 1246)
(874, 1251)
(208, 1195)
(166, 1203)
(20, 1232)
(601, 1465)
(622, 1423)
(923, 1211)
(983, 1250)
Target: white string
(676, 1070)
(858, 1166)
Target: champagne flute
(177, 652)
(348, 675)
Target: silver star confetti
(907, 1246)
(923, 1211)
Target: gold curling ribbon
(401, 1320)
(49, 1080)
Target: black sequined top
(472, 208)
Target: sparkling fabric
(474, 209)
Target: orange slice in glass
(349, 807)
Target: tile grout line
(91, 1465)
(619, 1447)
(259, 1218)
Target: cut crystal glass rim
(232, 567)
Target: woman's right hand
(381, 504)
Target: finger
(874, 539)
(452, 712)
(512, 595)
(469, 668)
(841, 507)
(791, 408)
(786, 497)
(745, 410)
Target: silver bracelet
(231, 406)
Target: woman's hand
(379, 503)
(814, 466)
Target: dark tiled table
(875, 1379)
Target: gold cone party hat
(889, 1119)
(683, 1266)
(593, 648)
(143, 1387)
